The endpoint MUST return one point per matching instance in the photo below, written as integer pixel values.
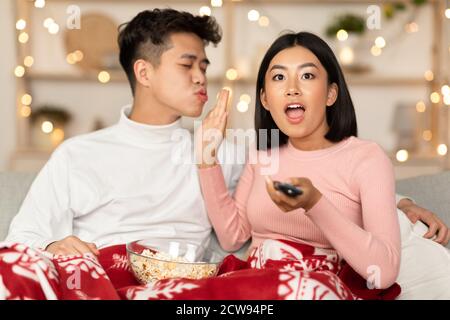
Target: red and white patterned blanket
(276, 270)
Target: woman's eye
(308, 76)
(188, 66)
(278, 77)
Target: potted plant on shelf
(347, 30)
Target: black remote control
(287, 189)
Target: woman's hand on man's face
(211, 133)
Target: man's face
(179, 82)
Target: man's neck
(146, 110)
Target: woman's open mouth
(295, 113)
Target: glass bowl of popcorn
(156, 259)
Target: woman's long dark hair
(340, 116)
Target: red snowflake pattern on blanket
(277, 269)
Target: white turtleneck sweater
(117, 185)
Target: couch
(425, 268)
(431, 192)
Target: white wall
(402, 57)
(91, 100)
(406, 55)
(7, 84)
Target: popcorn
(151, 266)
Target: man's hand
(72, 245)
(436, 227)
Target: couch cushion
(13, 189)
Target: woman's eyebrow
(304, 65)
(308, 64)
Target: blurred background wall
(60, 77)
(7, 84)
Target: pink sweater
(356, 215)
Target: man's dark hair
(146, 36)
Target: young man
(119, 184)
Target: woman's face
(297, 93)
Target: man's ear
(143, 71)
(262, 97)
(333, 91)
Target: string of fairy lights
(232, 73)
(345, 56)
(46, 126)
(25, 110)
(435, 97)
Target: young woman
(348, 200)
